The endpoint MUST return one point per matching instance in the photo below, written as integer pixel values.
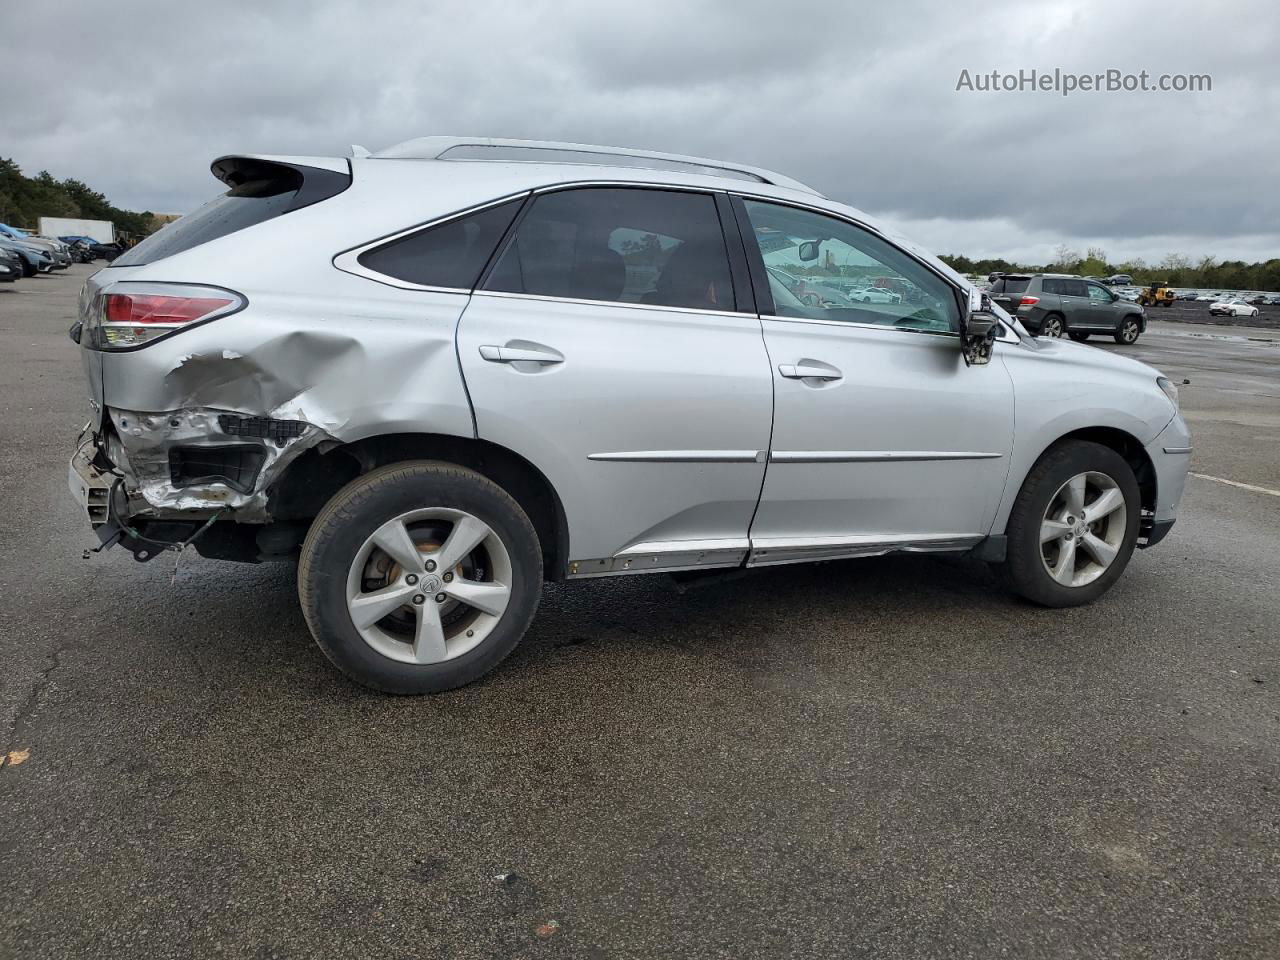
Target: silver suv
(445, 373)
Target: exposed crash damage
(205, 459)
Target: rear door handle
(810, 370)
(521, 351)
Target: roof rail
(476, 148)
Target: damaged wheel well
(312, 479)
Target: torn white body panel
(156, 451)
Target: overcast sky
(859, 100)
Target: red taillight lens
(149, 308)
(1028, 301)
(119, 320)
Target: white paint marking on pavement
(1236, 483)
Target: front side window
(826, 269)
(622, 245)
(449, 254)
(1099, 294)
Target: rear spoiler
(314, 178)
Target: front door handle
(810, 370)
(521, 351)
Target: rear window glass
(447, 255)
(1013, 284)
(273, 190)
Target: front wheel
(1128, 332)
(1074, 525)
(419, 577)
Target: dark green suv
(1050, 304)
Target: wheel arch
(309, 482)
(1123, 443)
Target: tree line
(1176, 269)
(24, 200)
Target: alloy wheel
(1129, 332)
(429, 585)
(1052, 328)
(1083, 529)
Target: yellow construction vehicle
(1157, 294)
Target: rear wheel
(1052, 326)
(1078, 337)
(1073, 526)
(419, 577)
(1128, 332)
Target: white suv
(451, 370)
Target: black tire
(28, 270)
(1128, 332)
(1053, 326)
(351, 516)
(1078, 337)
(1023, 567)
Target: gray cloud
(137, 98)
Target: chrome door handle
(523, 353)
(810, 370)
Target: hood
(1086, 357)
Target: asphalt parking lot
(880, 758)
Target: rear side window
(448, 254)
(1050, 285)
(261, 191)
(1075, 288)
(620, 245)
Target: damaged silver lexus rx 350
(446, 372)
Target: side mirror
(977, 334)
(809, 250)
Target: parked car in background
(59, 254)
(1255, 298)
(10, 266)
(1234, 307)
(1119, 280)
(105, 251)
(814, 293)
(79, 247)
(1189, 295)
(1050, 305)
(1007, 289)
(1273, 300)
(1208, 297)
(874, 295)
(34, 259)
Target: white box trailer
(104, 231)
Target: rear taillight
(129, 315)
(1028, 301)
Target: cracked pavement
(882, 758)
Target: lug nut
(411, 579)
(441, 598)
(419, 599)
(448, 578)
(431, 565)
